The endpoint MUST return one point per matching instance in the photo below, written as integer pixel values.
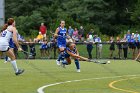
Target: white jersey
(4, 39)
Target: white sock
(9, 59)
(14, 64)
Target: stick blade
(99, 62)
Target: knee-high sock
(6, 58)
(61, 56)
(14, 64)
(77, 63)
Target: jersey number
(3, 34)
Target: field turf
(121, 76)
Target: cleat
(78, 70)
(63, 65)
(19, 72)
(58, 62)
(5, 61)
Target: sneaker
(5, 61)
(58, 62)
(63, 65)
(19, 72)
(78, 70)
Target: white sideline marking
(40, 90)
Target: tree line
(109, 17)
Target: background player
(60, 34)
(72, 51)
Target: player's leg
(77, 65)
(10, 54)
(61, 55)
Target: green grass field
(122, 75)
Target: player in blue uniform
(60, 33)
(71, 51)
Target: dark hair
(10, 21)
(68, 44)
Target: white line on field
(40, 90)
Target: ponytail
(4, 27)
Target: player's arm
(56, 33)
(72, 54)
(15, 38)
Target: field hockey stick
(95, 61)
(29, 54)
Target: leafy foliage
(107, 15)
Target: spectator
(89, 43)
(43, 49)
(39, 38)
(99, 46)
(75, 35)
(43, 30)
(54, 46)
(137, 42)
(70, 31)
(32, 49)
(23, 45)
(125, 47)
(128, 36)
(112, 46)
(136, 35)
(133, 45)
(81, 33)
(119, 46)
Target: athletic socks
(61, 56)
(77, 63)
(6, 58)
(14, 64)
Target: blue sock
(6, 58)
(59, 57)
(77, 64)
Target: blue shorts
(11, 44)
(61, 44)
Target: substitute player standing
(60, 33)
(5, 37)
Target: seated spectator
(39, 38)
(43, 49)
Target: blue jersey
(128, 37)
(61, 40)
(72, 51)
(43, 46)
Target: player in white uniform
(5, 36)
